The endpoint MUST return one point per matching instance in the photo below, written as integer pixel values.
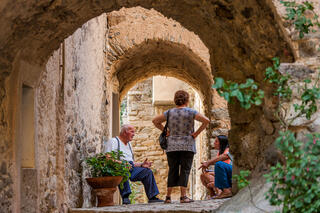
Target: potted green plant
(107, 173)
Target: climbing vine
(296, 183)
(246, 93)
(297, 15)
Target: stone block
(220, 113)
(214, 123)
(308, 48)
(29, 191)
(217, 132)
(299, 121)
(298, 71)
(239, 202)
(115, 19)
(266, 125)
(139, 149)
(133, 113)
(212, 142)
(142, 136)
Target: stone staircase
(175, 207)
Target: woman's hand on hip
(194, 135)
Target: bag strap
(131, 151)
(119, 149)
(167, 123)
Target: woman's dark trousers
(180, 163)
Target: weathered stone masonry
(241, 40)
(70, 103)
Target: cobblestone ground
(175, 207)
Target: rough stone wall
(305, 66)
(141, 39)
(219, 121)
(140, 115)
(6, 150)
(47, 116)
(39, 27)
(85, 91)
(70, 102)
(306, 49)
(307, 62)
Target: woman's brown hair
(181, 97)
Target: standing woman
(181, 142)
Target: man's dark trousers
(145, 175)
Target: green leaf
(254, 87)
(246, 105)
(258, 102)
(240, 96)
(226, 96)
(218, 83)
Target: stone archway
(140, 40)
(238, 38)
(163, 47)
(75, 89)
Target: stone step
(175, 207)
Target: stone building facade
(72, 77)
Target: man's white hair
(124, 128)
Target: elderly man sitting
(139, 171)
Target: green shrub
(242, 178)
(296, 185)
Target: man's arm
(145, 164)
(136, 164)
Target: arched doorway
(236, 52)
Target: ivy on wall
(296, 183)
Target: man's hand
(146, 164)
(204, 165)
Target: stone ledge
(175, 207)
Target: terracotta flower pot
(104, 188)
